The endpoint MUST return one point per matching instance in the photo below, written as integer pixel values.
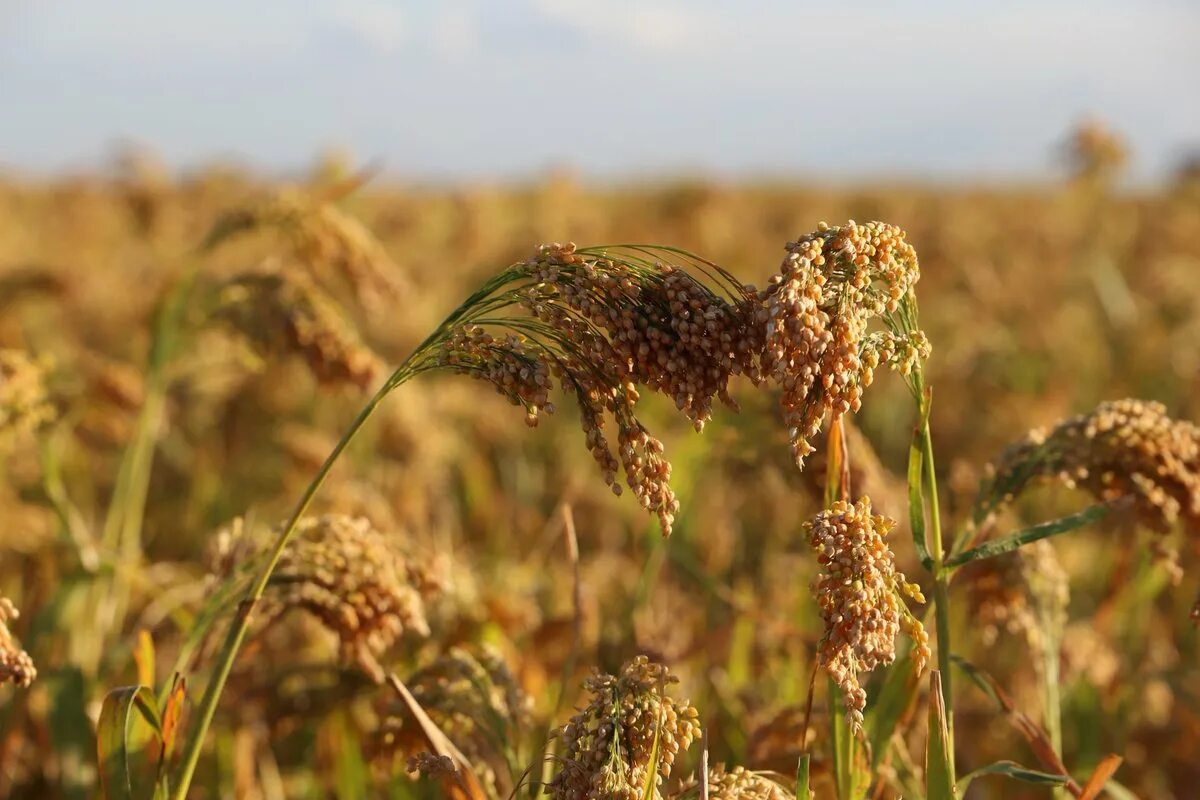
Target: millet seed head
(608, 747)
(858, 591)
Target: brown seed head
(818, 349)
(1122, 448)
(357, 582)
(858, 591)
(473, 698)
(327, 241)
(607, 748)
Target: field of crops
(180, 355)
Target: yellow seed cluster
(286, 314)
(608, 747)
(517, 371)
(737, 783)
(831, 284)
(16, 666)
(859, 592)
(357, 582)
(1122, 448)
(24, 401)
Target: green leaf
(803, 792)
(916, 500)
(1013, 770)
(939, 781)
(850, 773)
(648, 791)
(1023, 537)
(116, 746)
(884, 714)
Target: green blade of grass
(1023, 537)
(916, 499)
(1011, 769)
(114, 746)
(894, 697)
(939, 785)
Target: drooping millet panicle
(1122, 448)
(358, 582)
(16, 667)
(324, 239)
(737, 783)
(513, 366)
(608, 747)
(858, 591)
(24, 399)
(605, 325)
(608, 323)
(282, 313)
(818, 349)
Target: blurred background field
(1040, 301)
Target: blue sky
(466, 89)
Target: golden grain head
(608, 748)
(818, 348)
(473, 698)
(859, 593)
(357, 581)
(333, 246)
(1123, 448)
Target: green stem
(122, 533)
(241, 621)
(941, 576)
